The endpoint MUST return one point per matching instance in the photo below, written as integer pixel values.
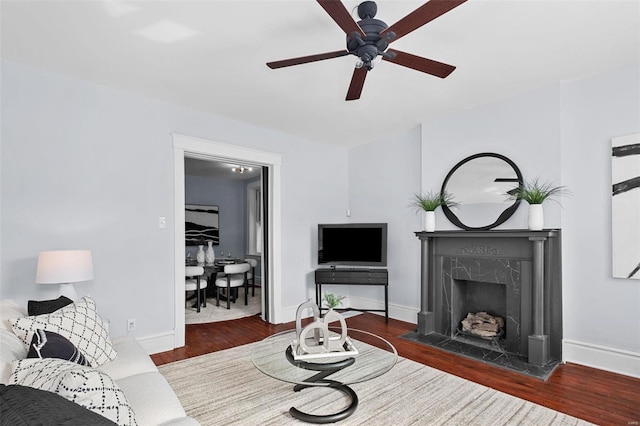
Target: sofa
(133, 390)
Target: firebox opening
(472, 297)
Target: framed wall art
(625, 206)
(202, 224)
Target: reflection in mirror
(481, 185)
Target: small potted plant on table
(332, 300)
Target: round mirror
(481, 185)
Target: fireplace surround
(515, 274)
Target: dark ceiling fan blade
(307, 59)
(422, 15)
(357, 82)
(419, 63)
(341, 16)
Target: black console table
(354, 276)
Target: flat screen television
(355, 244)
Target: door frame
(192, 147)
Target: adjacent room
(273, 212)
(223, 226)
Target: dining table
(211, 272)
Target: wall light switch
(162, 222)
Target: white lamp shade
(64, 266)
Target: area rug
(224, 388)
(213, 313)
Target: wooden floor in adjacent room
(593, 395)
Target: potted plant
(332, 300)
(536, 192)
(429, 202)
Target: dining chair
(251, 275)
(235, 276)
(193, 282)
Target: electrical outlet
(131, 325)
(162, 222)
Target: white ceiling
(500, 47)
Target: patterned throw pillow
(78, 322)
(47, 344)
(85, 386)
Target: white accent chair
(235, 276)
(251, 275)
(193, 282)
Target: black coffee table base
(324, 371)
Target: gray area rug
(213, 313)
(224, 388)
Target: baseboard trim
(601, 357)
(158, 343)
(399, 312)
(289, 313)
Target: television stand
(353, 276)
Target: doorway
(224, 209)
(190, 147)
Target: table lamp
(64, 267)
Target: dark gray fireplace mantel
(527, 262)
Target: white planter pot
(536, 217)
(430, 221)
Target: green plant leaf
(536, 192)
(430, 201)
(332, 300)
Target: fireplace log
(486, 327)
(482, 324)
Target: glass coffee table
(375, 356)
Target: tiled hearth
(511, 274)
(496, 357)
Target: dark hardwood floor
(594, 395)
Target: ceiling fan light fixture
(369, 64)
(241, 169)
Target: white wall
(383, 175)
(563, 133)
(85, 166)
(524, 128)
(601, 313)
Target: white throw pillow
(8, 310)
(11, 349)
(78, 322)
(85, 386)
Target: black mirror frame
(503, 216)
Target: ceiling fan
(369, 38)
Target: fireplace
(472, 284)
(514, 275)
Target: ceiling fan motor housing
(372, 44)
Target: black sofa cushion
(41, 307)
